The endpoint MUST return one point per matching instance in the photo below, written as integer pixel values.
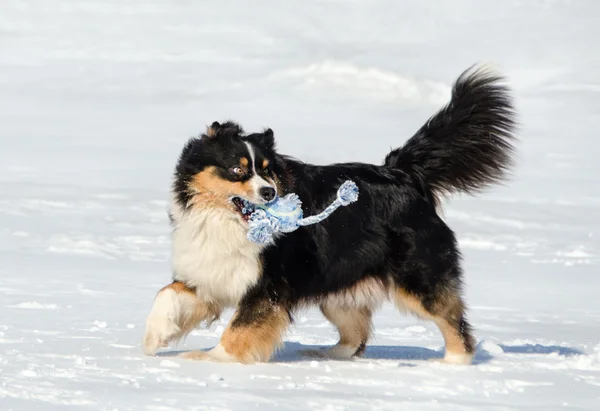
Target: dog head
(224, 166)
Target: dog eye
(236, 171)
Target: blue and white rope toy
(284, 214)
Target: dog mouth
(244, 207)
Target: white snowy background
(97, 98)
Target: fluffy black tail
(467, 145)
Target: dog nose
(267, 193)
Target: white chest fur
(210, 252)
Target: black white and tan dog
(391, 245)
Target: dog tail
(468, 144)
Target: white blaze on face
(256, 182)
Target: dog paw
(195, 356)
(159, 336)
(454, 359)
(161, 324)
(217, 354)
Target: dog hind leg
(447, 311)
(354, 326)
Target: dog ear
(267, 139)
(228, 128)
(213, 130)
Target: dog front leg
(176, 311)
(253, 335)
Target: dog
(391, 245)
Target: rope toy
(284, 214)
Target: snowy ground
(97, 97)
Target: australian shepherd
(390, 245)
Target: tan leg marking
(458, 351)
(354, 326)
(249, 342)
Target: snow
(97, 98)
